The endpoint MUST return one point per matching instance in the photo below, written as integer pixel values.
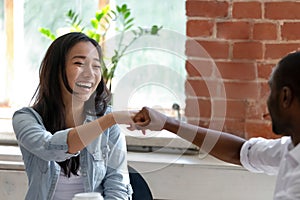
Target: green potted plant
(100, 24)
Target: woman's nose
(88, 70)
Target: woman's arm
(33, 136)
(82, 135)
(222, 145)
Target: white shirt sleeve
(261, 155)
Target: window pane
(32, 45)
(157, 75)
(2, 55)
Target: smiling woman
(70, 132)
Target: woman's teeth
(84, 85)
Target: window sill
(171, 176)
(160, 142)
(11, 158)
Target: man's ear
(286, 97)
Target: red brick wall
(245, 39)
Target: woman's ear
(286, 97)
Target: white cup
(88, 196)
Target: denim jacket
(103, 163)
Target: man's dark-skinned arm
(221, 145)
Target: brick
(235, 127)
(246, 129)
(290, 31)
(236, 109)
(200, 68)
(257, 109)
(198, 108)
(199, 122)
(237, 70)
(233, 30)
(196, 88)
(247, 10)
(242, 90)
(277, 51)
(258, 129)
(264, 31)
(204, 88)
(247, 50)
(264, 95)
(203, 48)
(211, 9)
(282, 10)
(260, 43)
(264, 70)
(217, 109)
(236, 94)
(199, 28)
(230, 109)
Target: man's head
(285, 92)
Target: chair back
(141, 190)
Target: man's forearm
(224, 146)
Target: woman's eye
(97, 66)
(79, 63)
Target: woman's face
(83, 70)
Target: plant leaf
(99, 14)
(124, 7)
(126, 14)
(134, 32)
(47, 33)
(118, 9)
(155, 29)
(106, 9)
(106, 20)
(113, 12)
(141, 30)
(94, 23)
(129, 21)
(128, 27)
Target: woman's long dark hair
(48, 96)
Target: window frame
(166, 141)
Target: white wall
(189, 178)
(13, 184)
(169, 177)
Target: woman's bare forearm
(80, 136)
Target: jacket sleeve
(116, 184)
(32, 135)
